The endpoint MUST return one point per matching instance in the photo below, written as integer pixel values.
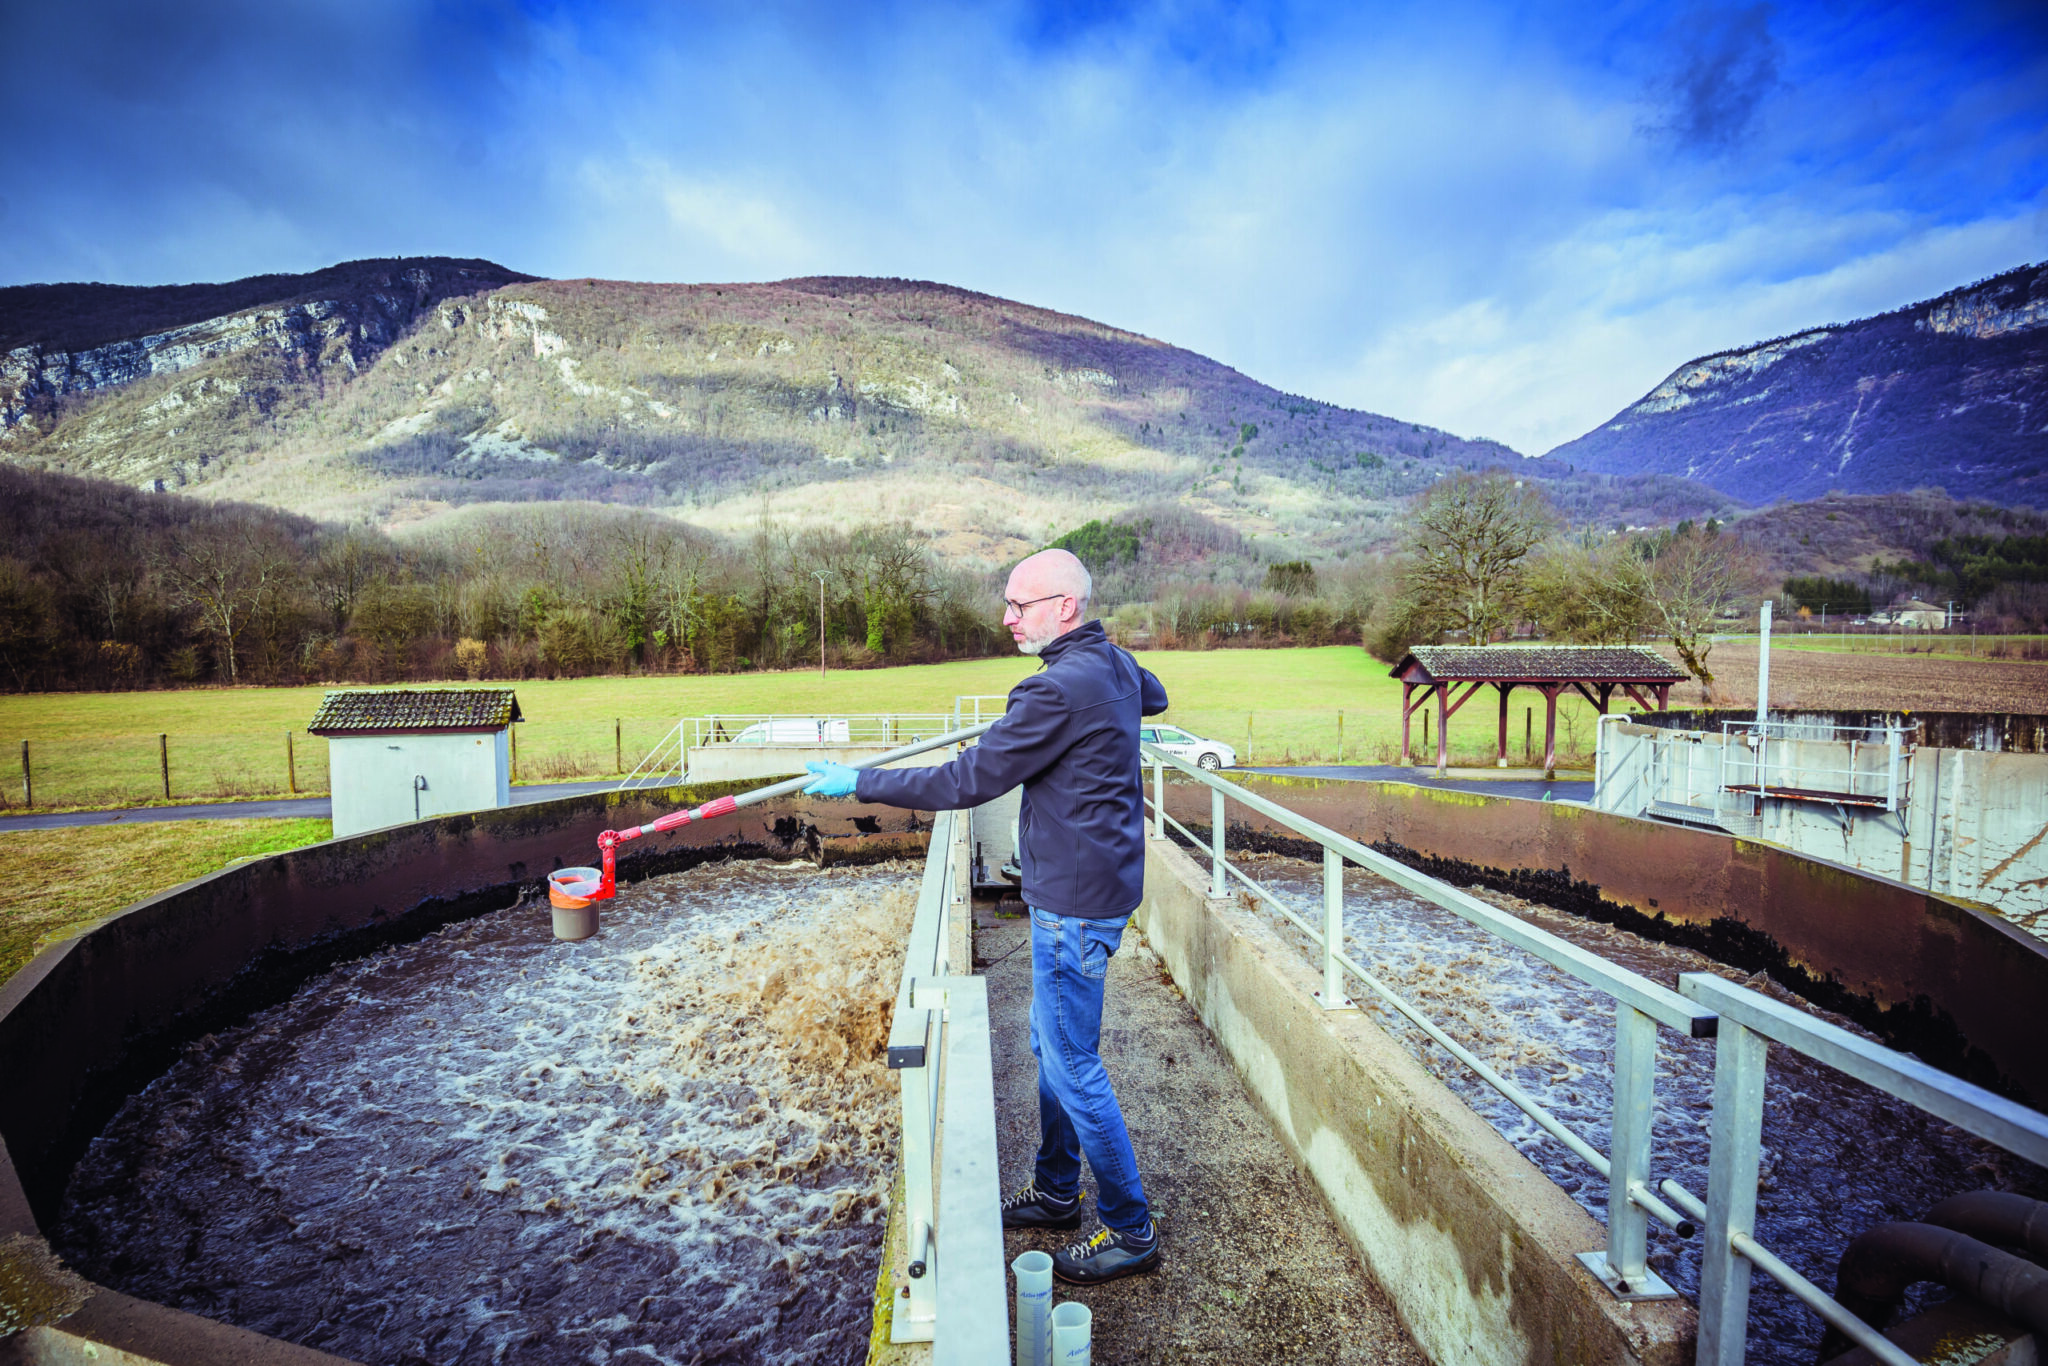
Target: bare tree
(1591, 589)
(226, 571)
(1469, 538)
(1697, 577)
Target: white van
(795, 731)
(1193, 748)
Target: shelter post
(1550, 693)
(1501, 760)
(1443, 728)
(1407, 715)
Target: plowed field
(1853, 682)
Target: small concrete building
(404, 754)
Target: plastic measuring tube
(1034, 1308)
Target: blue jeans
(1077, 1111)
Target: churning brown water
(1839, 1156)
(668, 1144)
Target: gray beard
(1031, 645)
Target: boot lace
(1100, 1239)
(1030, 1194)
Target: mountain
(397, 390)
(1951, 394)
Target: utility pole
(821, 621)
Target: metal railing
(955, 1297)
(1704, 1006)
(1750, 1022)
(1802, 769)
(819, 731)
(973, 708)
(658, 769)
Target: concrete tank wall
(1929, 974)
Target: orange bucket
(575, 908)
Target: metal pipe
(1878, 1266)
(1995, 1217)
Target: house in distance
(404, 754)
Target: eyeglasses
(1012, 606)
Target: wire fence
(72, 772)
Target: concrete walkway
(1255, 1270)
(314, 808)
(1499, 782)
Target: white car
(1193, 748)
(792, 731)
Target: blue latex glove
(831, 780)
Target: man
(1070, 737)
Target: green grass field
(64, 880)
(1275, 706)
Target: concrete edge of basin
(95, 1016)
(1473, 1243)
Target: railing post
(1628, 1226)
(1218, 886)
(1333, 931)
(1158, 800)
(1736, 1134)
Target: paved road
(315, 808)
(1563, 790)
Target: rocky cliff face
(373, 304)
(1951, 393)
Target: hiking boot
(1032, 1208)
(1108, 1256)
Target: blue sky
(1506, 220)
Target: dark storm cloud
(1724, 63)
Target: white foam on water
(671, 1143)
(1838, 1156)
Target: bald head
(1054, 587)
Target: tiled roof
(368, 712)
(1546, 663)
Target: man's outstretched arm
(1018, 747)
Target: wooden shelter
(1595, 671)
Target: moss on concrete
(35, 1288)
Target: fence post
(1340, 737)
(618, 744)
(1247, 738)
(1736, 1136)
(163, 758)
(1635, 1068)
(1217, 885)
(28, 785)
(1158, 800)
(1528, 736)
(1333, 931)
(291, 767)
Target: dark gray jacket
(1070, 738)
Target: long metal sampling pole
(610, 840)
